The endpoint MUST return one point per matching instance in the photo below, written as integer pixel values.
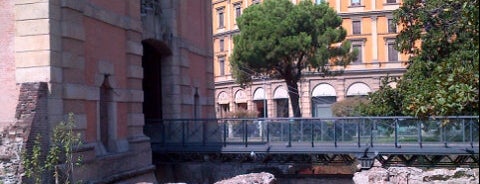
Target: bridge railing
(338, 132)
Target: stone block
(32, 27)
(93, 93)
(134, 59)
(136, 96)
(74, 91)
(55, 106)
(134, 47)
(71, 60)
(73, 30)
(32, 59)
(42, 74)
(32, 43)
(78, 5)
(38, 10)
(80, 121)
(105, 67)
(135, 119)
(135, 71)
(19, 2)
(56, 74)
(134, 36)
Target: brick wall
(31, 120)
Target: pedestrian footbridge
(393, 141)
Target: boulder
(412, 175)
(252, 178)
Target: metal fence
(348, 131)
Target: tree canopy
(442, 77)
(279, 39)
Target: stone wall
(31, 120)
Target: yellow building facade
(369, 29)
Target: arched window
(358, 89)
(241, 100)
(323, 96)
(105, 113)
(260, 102)
(281, 100)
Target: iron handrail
(338, 131)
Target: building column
(341, 89)
(337, 5)
(305, 97)
(373, 4)
(374, 39)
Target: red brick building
(101, 60)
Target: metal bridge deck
(440, 142)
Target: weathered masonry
(101, 60)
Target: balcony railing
(336, 132)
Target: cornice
(226, 33)
(365, 13)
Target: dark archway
(154, 52)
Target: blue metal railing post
(204, 132)
(396, 132)
(225, 133)
(245, 132)
(335, 133)
(290, 133)
(419, 132)
(312, 133)
(444, 135)
(358, 132)
(372, 127)
(268, 130)
(463, 130)
(471, 133)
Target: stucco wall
(8, 89)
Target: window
(318, 1)
(261, 108)
(241, 106)
(392, 53)
(392, 26)
(282, 107)
(391, 1)
(221, 66)
(238, 10)
(359, 55)
(224, 109)
(355, 3)
(221, 23)
(105, 113)
(222, 44)
(356, 27)
(322, 106)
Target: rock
(378, 175)
(252, 178)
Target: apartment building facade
(370, 30)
